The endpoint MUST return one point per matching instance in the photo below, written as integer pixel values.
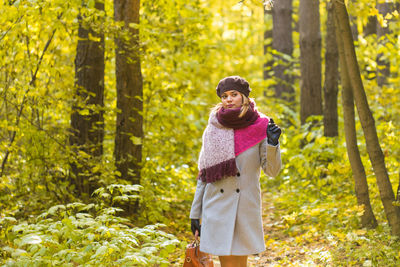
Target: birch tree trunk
(367, 121)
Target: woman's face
(231, 99)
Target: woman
(237, 142)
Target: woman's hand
(273, 133)
(195, 225)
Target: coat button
(238, 174)
(222, 190)
(238, 190)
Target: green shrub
(90, 234)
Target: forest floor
(283, 249)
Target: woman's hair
(243, 109)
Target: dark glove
(195, 225)
(273, 133)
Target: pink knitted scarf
(221, 145)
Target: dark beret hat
(233, 83)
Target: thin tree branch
(31, 83)
(27, 46)
(38, 127)
(32, 123)
(9, 29)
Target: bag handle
(196, 243)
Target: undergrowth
(85, 234)
(315, 202)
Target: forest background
(103, 105)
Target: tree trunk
(331, 77)
(360, 180)
(310, 59)
(353, 23)
(383, 65)
(367, 121)
(282, 43)
(87, 123)
(370, 28)
(384, 8)
(267, 50)
(398, 192)
(129, 131)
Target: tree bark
(310, 60)
(87, 122)
(383, 65)
(331, 77)
(267, 49)
(129, 131)
(398, 192)
(360, 179)
(370, 27)
(282, 42)
(367, 121)
(353, 23)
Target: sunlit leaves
(82, 238)
(186, 47)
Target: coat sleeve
(195, 211)
(270, 158)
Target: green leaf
(136, 140)
(30, 240)
(90, 3)
(100, 252)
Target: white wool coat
(230, 209)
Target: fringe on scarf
(219, 171)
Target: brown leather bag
(195, 258)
